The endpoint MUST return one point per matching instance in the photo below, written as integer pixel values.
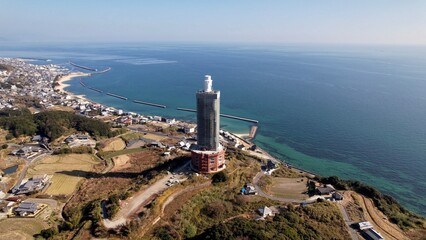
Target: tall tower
(208, 156)
(208, 110)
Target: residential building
(26, 208)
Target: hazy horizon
(269, 22)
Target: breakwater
(84, 67)
(116, 96)
(149, 104)
(223, 115)
(102, 71)
(122, 97)
(95, 89)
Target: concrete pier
(253, 131)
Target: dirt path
(379, 220)
(135, 203)
(348, 221)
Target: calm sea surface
(355, 112)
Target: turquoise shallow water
(355, 112)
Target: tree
(311, 187)
(49, 233)
(219, 177)
(190, 231)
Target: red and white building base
(208, 161)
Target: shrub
(219, 177)
(49, 233)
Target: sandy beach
(62, 85)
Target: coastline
(260, 153)
(61, 83)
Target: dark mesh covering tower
(208, 108)
(208, 156)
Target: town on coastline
(74, 168)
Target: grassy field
(289, 188)
(115, 144)
(107, 155)
(153, 137)
(138, 135)
(20, 228)
(132, 136)
(63, 183)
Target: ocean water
(358, 112)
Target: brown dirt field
(121, 162)
(153, 137)
(417, 234)
(352, 206)
(57, 163)
(115, 144)
(143, 160)
(378, 219)
(63, 183)
(117, 180)
(20, 228)
(9, 161)
(169, 141)
(61, 108)
(289, 188)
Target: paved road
(348, 222)
(24, 171)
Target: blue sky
(261, 21)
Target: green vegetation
(52, 124)
(221, 201)
(311, 187)
(132, 136)
(48, 233)
(112, 205)
(317, 221)
(76, 150)
(219, 177)
(80, 214)
(387, 204)
(286, 172)
(18, 122)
